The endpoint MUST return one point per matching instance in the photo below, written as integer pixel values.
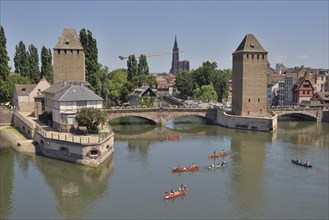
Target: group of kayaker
(307, 163)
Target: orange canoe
(175, 194)
(224, 154)
(184, 169)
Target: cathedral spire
(175, 44)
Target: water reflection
(310, 133)
(247, 175)
(6, 173)
(75, 186)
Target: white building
(66, 99)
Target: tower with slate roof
(69, 58)
(249, 78)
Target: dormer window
(23, 89)
(252, 45)
(67, 42)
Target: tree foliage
(91, 118)
(46, 65)
(7, 86)
(21, 60)
(191, 83)
(4, 58)
(132, 69)
(143, 68)
(34, 71)
(89, 45)
(207, 92)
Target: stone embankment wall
(16, 140)
(6, 116)
(248, 123)
(85, 150)
(26, 127)
(325, 116)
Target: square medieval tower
(249, 78)
(69, 58)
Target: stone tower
(249, 78)
(175, 59)
(69, 58)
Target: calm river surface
(259, 180)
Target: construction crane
(148, 54)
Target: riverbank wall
(16, 139)
(247, 123)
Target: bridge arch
(304, 116)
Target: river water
(259, 180)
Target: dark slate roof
(24, 89)
(250, 44)
(77, 93)
(69, 40)
(54, 89)
(142, 90)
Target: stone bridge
(305, 113)
(162, 115)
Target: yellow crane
(152, 54)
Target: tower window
(263, 56)
(59, 51)
(65, 51)
(71, 51)
(249, 100)
(252, 56)
(257, 56)
(258, 99)
(77, 51)
(247, 56)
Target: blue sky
(293, 32)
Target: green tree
(34, 70)
(21, 60)
(202, 75)
(207, 92)
(132, 70)
(89, 45)
(91, 118)
(118, 79)
(6, 87)
(104, 77)
(185, 84)
(126, 90)
(143, 68)
(4, 58)
(46, 65)
(221, 84)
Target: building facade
(24, 94)
(249, 79)
(176, 65)
(69, 58)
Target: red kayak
(173, 137)
(224, 154)
(184, 169)
(170, 195)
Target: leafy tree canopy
(91, 118)
(4, 58)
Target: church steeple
(175, 44)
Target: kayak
(216, 166)
(301, 164)
(218, 155)
(177, 193)
(173, 137)
(184, 169)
